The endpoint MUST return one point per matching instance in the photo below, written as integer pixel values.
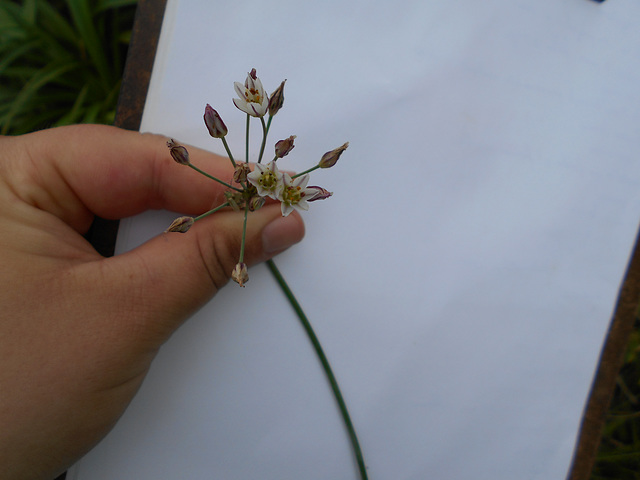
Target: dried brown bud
(276, 99)
(178, 152)
(319, 194)
(329, 159)
(240, 274)
(180, 225)
(283, 147)
(214, 123)
(241, 172)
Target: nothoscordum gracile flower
(252, 99)
(329, 159)
(295, 194)
(178, 152)
(180, 224)
(284, 147)
(320, 194)
(214, 123)
(267, 179)
(276, 100)
(248, 191)
(240, 274)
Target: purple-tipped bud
(215, 125)
(319, 194)
(178, 152)
(180, 225)
(241, 172)
(256, 203)
(276, 99)
(240, 274)
(283, 147)
(329, 159)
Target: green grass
(61, 62)
(619, 454)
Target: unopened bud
(283, 147)
(329, 159)
(319, 194)
(180, 225)
(240, 274)
(241, 172)
(178, 152)
(256, 203)
(276, 99)
(215, 125)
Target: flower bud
(283, 147)
(241, 172)
(256, 203)
(178, 152)
(180, 225)
(319, 194)
(240, 274)
(329, 159)
(276, 100)
(215, 125)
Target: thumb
(173, 274)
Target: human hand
(78, 331)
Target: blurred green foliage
(619, 454)
(61, 61)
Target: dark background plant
(61, 62)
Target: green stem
(325, 365)
(244, 233)
(247, 140)
(213, 178)
(265, 132)
(309, 170)
(226, 147)
(213, 210)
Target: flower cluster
(251, 188)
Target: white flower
(253, 100)
(267, 179)
(295, 193)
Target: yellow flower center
(268, 180)
(252, 95)
(292, 195)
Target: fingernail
(281, 233)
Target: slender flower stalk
(246, 139)
(264, 138)
(214, 178)
(212, 211)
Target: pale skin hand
(78, 331)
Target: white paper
(461, 279)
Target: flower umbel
(252, 98)
(249, 189)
